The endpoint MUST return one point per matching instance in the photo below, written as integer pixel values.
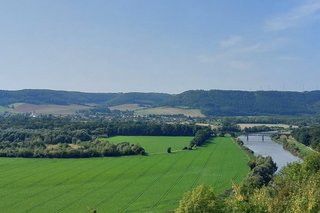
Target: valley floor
(153, 183)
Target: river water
(267, 147)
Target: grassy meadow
(170, 111)
(48, 108)
(155, 144)
(153, 183)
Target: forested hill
(212, 102)
(66, 98)
(224, 102)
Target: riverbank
(293, 146)
(265, 146)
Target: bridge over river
(261, 134)
(262, 144)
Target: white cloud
(295, 17)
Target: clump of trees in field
(169, 150)
(296, 188)
(201, 137)
(229, 127)
(254, 129)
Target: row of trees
(201, 137)
(296, 188)
(54, 130)
(82, 150)
(97, 126)
(257, 129)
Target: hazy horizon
(159, 91)
(160, 46)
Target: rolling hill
(211, 103)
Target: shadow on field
(208, 142)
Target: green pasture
(155, 144)
(153, 183)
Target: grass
(48, 108)
(305, 150)
(4, 109)
(170, 111)
(155, 144)
(153, 183)
(139, 110)
(125, 107)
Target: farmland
(119, 184)
(141, 111)
(125, 107)
(47, 108)
(170, 111)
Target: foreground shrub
(200, 199)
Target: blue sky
(160, 46)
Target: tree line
(98, 126)
(49, 136)
(309, 136)
(80, 150)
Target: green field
(155, 144)
(170, 111)
(4, 109)
(153, 183)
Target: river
(267, 147)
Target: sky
(159, 45)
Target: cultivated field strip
(65, 186)
(38, 183)
(153, 183)
(92, 188)
(149, 185)
(14, 167)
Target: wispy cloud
(230, 42)
(242, 55)
(296, 17)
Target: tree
(312, 163)
(200, 199)
(169, 150)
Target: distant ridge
(39, 96)
(212, 102)
(230, 102)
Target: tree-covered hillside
(212, 102)
(220, 102)
(67, 98)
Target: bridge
(261, 134)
